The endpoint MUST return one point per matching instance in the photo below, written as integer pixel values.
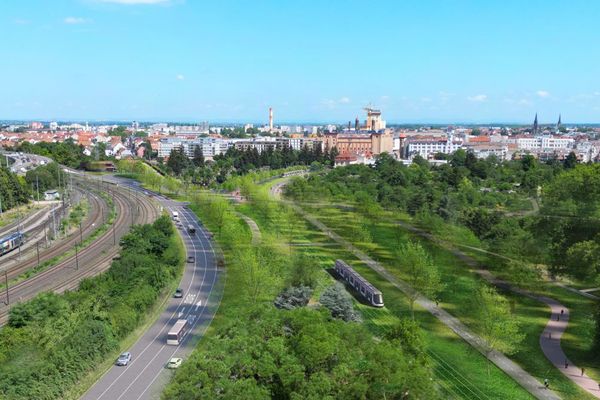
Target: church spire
(535, 125)
(558, 124)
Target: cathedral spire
(558, 124)
(535, 125)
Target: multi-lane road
(146, 375)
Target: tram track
(89, 261)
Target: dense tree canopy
(65, 153)
(53, 340)
(13, 190)
(300, 354)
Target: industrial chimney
(270, 119)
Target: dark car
(178, 293)
(191, 259)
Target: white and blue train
(11, 242)
(360, 284)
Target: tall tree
(177, 161)
(198, 159)
(424, 276)
(495, 322)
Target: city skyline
(154, 60)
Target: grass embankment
(9, 216)
(54, 341)
(255, 275)
(380, 238)
(461, 371)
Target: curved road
(145, 376)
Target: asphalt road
(146, 375)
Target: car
(174, 363)
(124, 359)
(178, 293)
(191, 259)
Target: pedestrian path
(511, 368)
(550, 344)
(256, 235)
(556, 326)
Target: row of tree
(240, 162)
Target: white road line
(159, 334)
(164, 345)
(216, 273)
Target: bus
(191, 229)
(177, 332)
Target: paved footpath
(500, 360)
(256, 235)
(550, 337)
(550, 343)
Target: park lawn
(460, 286)
(462, 372)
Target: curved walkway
(509, 367)
(550, 343)
(256, 235)
(550, 337)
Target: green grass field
(460, 284)
(462, 372)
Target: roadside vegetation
(53, 341)
(272, 339)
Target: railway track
(27, 260)
(90, 261)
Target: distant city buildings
(355, 142)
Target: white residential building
(210, 146)
(556, 142)
(428, 146)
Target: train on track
(294, 173)
(360, 284)
(11, 242)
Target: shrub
(337, 300)
(293, 297)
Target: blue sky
(311, 60)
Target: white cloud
(478, 98)
(180, 77)
(542, 93)
(331, 103)
(133, 2)
(21, 21)
(75, 20)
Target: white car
(174, 363)
(124, 359)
